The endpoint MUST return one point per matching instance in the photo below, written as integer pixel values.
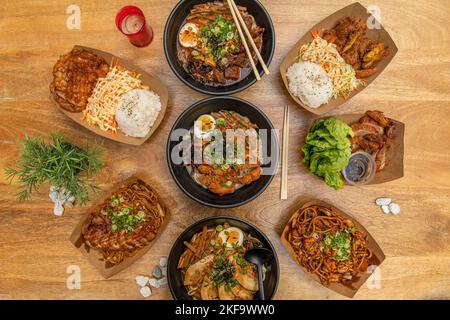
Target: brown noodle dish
(214, 173)
(328, 245)
(125, 222)
(213, 265)
(209, 47)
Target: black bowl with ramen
(175, 277)
(219, 77)
(179, 169)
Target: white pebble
(386, 209)
(69, 204)
(142, 280)
(164, 272)
(58, 209)
(53, 195)
(146, 292)
(154, 283)
(157, 272)
(383, 201)
(70, 199)
(394, 208)
(163, 262)
(162, 282)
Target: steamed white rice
(310, 83)
(137, 111)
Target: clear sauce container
(361, 169)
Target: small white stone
(58, 209)
(157, 272)
(70, 199)
(394, 208)
(163, 261)
(154, 283)
(162, 282)
(164, 272)
(386, 209)
(141, 280)
(383, 201)
(53, 195)
(69, 204)
(146, 292)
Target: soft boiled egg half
(232, 236)
(204, 126)
(188, 35)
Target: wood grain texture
(415, 89)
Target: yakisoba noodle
(328, 245)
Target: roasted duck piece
(373, 134)
(74, 77)
(125, 222)
(362, 53)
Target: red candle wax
(130, 20)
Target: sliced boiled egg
(188, 35)
(204, 126)
(232, 236)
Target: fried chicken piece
(74, 77)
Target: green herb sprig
(54, 160)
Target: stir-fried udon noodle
(328, 245)
(213, 265)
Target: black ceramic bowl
(177, 18)
(184, 180)
(175, 279)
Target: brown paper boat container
(353, 10)
(376, 259)
(154, 85)
(394, 156)
(107, 269)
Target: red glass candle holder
(130, 20)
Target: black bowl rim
(205, 220)
(186, 192)
(224, 92)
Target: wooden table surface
(34, 247)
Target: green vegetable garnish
(124, 219)
(58, 162)
(221, 122)
(327, 150)
(340, 244)
(219, 228)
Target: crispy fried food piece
(373, 134)
(74, 77)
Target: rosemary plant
(58, 162)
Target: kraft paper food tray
(107, 269)
(376, 259)
(154, 85)
(394, 156)
(353, 10)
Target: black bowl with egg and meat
(183, 177)
(175, 277)
(177, 20)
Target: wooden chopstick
(284, 156)
(249, 36)
(244, 42)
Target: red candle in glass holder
(130, 20)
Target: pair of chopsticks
(240, 24)
(284, 155)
